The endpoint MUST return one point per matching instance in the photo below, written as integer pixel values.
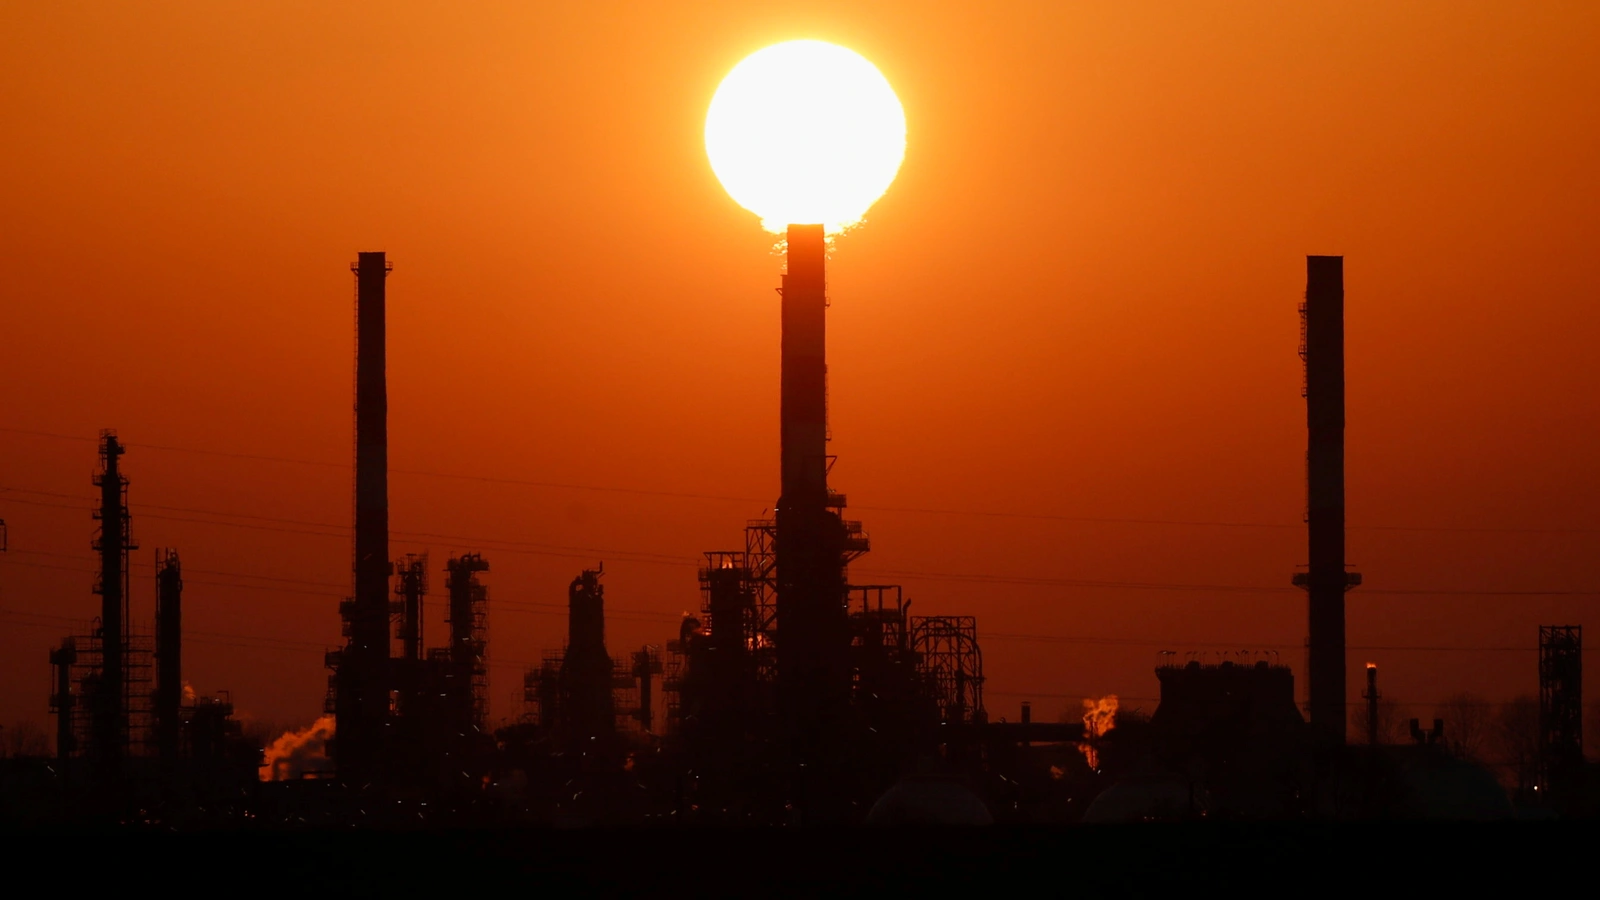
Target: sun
(805, 133)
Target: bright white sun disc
(805, 133)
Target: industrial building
(412, 720)
(791, 696)
(126, 733)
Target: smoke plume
(298, 754)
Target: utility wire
(653, 558)
(689, 495)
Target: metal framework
(877, 617)
(731, 599)
(761, 558)
(646, 665)
(63, 702)
(1560, 704)
(469, 635)
(950, 664)
(405, 613)
(581, 692)
(109, 691)
(79, 666)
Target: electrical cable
(689, 495)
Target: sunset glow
(805, 132)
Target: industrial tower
(361, 678)
(1327, 579)
(469, 642)
(813, 645)
(169, 654)
(1561, 708)
(109, 699)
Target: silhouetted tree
(24, 738)
(1466, 724)
(1516, 741)
(1394, 725)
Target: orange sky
(1077, 300)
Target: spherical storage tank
(930, 800)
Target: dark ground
(1241, 860)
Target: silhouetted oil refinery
(792, 696)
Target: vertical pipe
(586, 615)
(363, 698)
(468, 640)
(459, 586)
(642, 671)
(412, 583)
(460, 589)
(1327, 579)
(813, 673)
(1371, 696)
(803, 401)
(110, 701)
(169, 652)
(372, 458)
(63, 660)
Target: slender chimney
(362, 700)
(812, 646)
(110, 710)
(1326, 579)
(169, 652)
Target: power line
(343, 533)
(979, 578)
(653, 558)
(259, 457)
(690, 495)
(1234, 645)
(516, 606)
(639, 614)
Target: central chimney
(1326, 579)
(812, 665)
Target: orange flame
(1099, 717)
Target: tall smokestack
(813, 667)
(1326, 579)
(110, 710)
(362, 701)
(169, 652)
